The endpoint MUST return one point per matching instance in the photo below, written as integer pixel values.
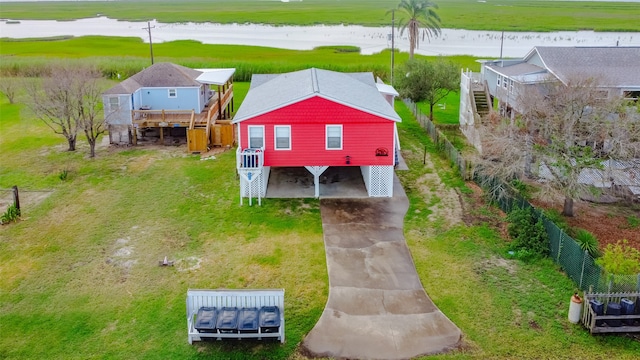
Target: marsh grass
(514, 15)
(33, 58)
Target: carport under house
(317, 119)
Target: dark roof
(158, 75)
(518, 69)
(356, 90)
(611, 66)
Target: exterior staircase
(482, 103)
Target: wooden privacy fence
(214, 304)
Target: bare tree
(88, 108)
(566, 128)
(9, 87)
(68, 101)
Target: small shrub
(620, 259)
(522, 254)
(523, 189)
(64, 174)
(340, 48)
(11, 215)
(633, 222)
(528, 233)
(557, 218)
(588, 242)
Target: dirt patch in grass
(478, 211)
(608, 222)
(446, 202)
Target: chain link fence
(579, 265)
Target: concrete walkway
(377, 308)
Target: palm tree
(419, 18)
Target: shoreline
(370, 40)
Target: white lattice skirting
(258, 186)
(378, 179)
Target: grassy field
(32, 56)
(515, 15)
(79, 275)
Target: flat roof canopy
(215, 76)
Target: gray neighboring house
(616, 69)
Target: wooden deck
(199, 125)
(184, 118)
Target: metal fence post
(584, 257)
(560, 244)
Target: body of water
(369, 39)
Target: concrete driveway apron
(377, 307)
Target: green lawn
(79, 272)
(516, 15)
(80, 276)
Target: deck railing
(250, 159)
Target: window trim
(175, 93)
(111, 104)
(275, 136)
(629, 95)
(249, 127)
(326, 136)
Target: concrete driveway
(377, 307)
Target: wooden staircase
(482, 103)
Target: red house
(317, 119)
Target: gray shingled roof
(271, 92)
(612, 66)
(158, 75)
(517, 69)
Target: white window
(504, 83)
(173, 93)
(631, 95)
(114, 103)
(282, 137)
(499, 78)
(511, 86)
(256, 136)
(334, 137)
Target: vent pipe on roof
(314, 80)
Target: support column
(316, 171)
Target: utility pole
(148, 28)
(501, 43)
(393, 25)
